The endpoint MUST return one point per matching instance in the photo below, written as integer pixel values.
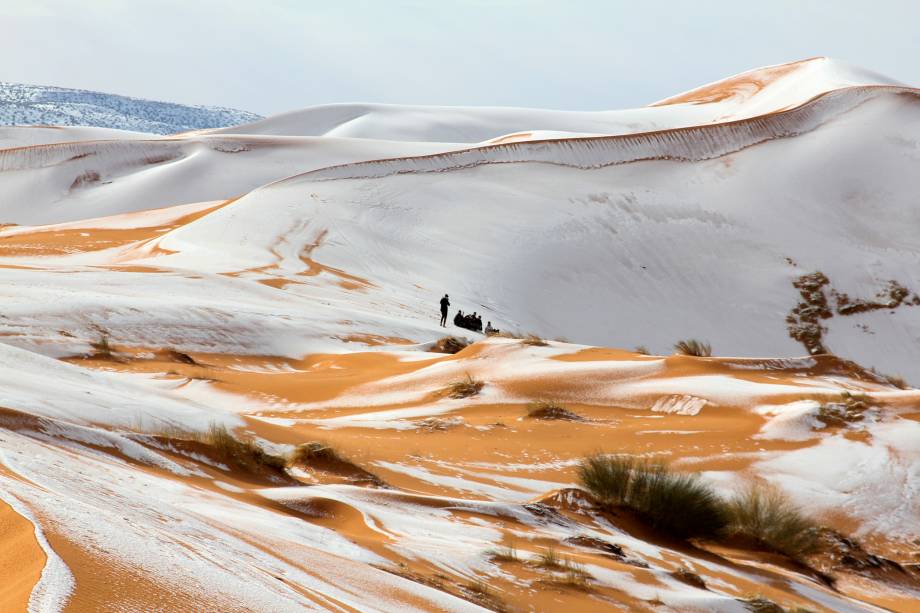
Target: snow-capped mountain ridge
(22, 104)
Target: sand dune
(274, 284)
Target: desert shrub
(544, 409)
(677, 503)
(607, 477)
(465, 387)
(312, 452)
(759, 604)
(896, 381)
(689, 577)
(479, 592)
(506, 553)
(694, 347)
(765, 515)
(449, 344)
(102, 348)
(243, 452)
(549, 558)
(642, 349)
(893, 380)
(575, 577)
(225, 446)
(320, 456)
(534, 341)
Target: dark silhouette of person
(445, 302)
(477, 322)
(458, 319)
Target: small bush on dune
(642, 350)
(102, 348)
(480, 593)
(449, 344)
(227, 447)
(897, 381)
(506, 553)
(679, 504)
(676, 503)
(765, 515)
(550, 410)
(312, 452)
(320, 456)
(607, 477)
(549, 558)
(534, 341)
(759, 604)
(465, 387)
(689, 577)
(694, 347)
(244, 452)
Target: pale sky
(269, 56)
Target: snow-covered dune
(746, 95)
(196, 326)
(66, 181)
(702, 233)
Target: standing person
(445, 302)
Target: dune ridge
(696, 143)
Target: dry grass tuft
(449, 344)
(549, 558)
(479, 592)
(544, 409)
(225, 446)
(534, 341)
(506, 553)
(892, 380)
(313, 452)
(575, 577)
(766, 516)
(694, 347)
(465, 388)
(102, 348)
(245, 453)
(759, 604)
(320, 456)
(642, 350)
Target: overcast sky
(269, 56)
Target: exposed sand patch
(21, 559)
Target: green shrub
(607, 477)
(765, 515)
(694, 347)
(677, 503)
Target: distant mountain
(43, 105)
